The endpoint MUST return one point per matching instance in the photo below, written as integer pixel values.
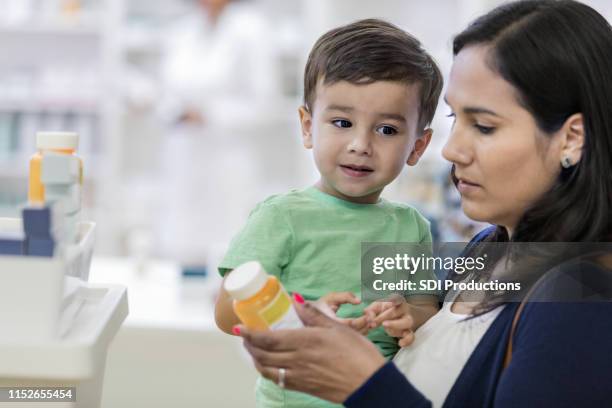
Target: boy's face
(362, 136)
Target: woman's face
(503, 162)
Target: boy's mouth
(355, 170)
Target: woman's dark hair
(558, 56)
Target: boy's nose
(360, 144)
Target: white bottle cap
(57, 140)
(246, 280)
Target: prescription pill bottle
(260, 301)
(56, 142)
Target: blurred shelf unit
(58, 63)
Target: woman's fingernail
(236, 330)
(298, 298)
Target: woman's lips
(465, 187)
(356, 171)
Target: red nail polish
(236, 330)
(298, 298)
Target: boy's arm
(224, 311)
(267, 238)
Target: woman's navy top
(562, 357)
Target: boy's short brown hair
(373, 50)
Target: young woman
(531, 94)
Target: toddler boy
(370, 90)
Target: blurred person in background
(218, 63)
(218, 69)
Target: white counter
(169, 351)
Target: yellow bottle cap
(57, 140)
(246, 280)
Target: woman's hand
(326, 359)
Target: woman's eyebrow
(472, 110)
(475, 109)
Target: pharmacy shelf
(38, 56)
(84, 107)
(50, 29)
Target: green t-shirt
(312, 241)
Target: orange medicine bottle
(260, 301)
(56, 142)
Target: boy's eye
(387, 130)
(485, 130)
(342, 123)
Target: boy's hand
(330, 303)
(335, 299)
(395, 315)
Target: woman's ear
(572, 140)
(420, 145)
(306, 124)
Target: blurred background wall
(187, 108)
(187, 112)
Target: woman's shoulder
(573, 300)
(484, 234)
(578, 280)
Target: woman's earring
(566, 162)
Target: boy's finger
(405, 323)
(407, 339)
(396, 299)
(339, 298)
(375, 310)
(359, 323)
(373, 307)
(371, 311)
(394, 332)
(389, 314)
(378, 307)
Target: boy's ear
(420, 145)
(306, 124)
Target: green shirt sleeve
(267, 237)
(425, 239)
(424, 229)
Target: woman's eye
(485, 130)
(342, 123)
(387, 130)
(452, 115)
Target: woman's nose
(457, 149)
(360, 143)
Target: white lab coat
(227, 73)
